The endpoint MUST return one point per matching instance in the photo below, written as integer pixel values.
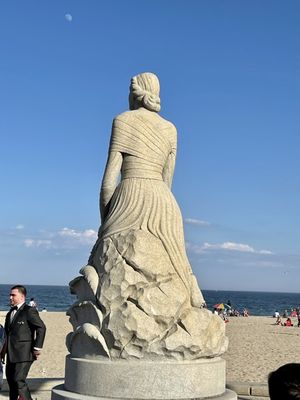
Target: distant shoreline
(204, 290)
(59, 298)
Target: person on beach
(288, 322)
(32, 303)
(293, 313)
(245, 312)
(284, 383)
(25, 334)
(278, 321)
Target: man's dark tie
(12, 312)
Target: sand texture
(256, 347)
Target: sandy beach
(256, 347)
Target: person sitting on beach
(285, 314)
(232, 312)
(225, 319)
(245, 312)
(288, 322)
(284, 383)
(276, 314)
(294, 313)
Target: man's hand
(2, 355)
(36, 353)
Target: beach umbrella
(219, 306)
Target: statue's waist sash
(141, 173)
(141, 167)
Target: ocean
(58, 298)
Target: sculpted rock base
(132, 305)
(141, 380)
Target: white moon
(68, 17)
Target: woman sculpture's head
(144, 92)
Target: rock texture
(137, 307)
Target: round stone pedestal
(87, 379)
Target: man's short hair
(21, 289)
(284, 383)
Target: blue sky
(229, 73)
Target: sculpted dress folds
(138, 297)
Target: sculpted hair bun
(145, 90)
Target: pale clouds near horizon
(69, 237)
(195, 221)
(20, 227)
(212, 261)
(65, 238)
(229, 246)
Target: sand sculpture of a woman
(138, 297)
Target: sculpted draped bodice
(146, 141)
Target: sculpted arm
(110, 181)
(169, 167)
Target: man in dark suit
(25, 334)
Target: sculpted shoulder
(125, 116)
(171, 126)
(161, 124)
(170, 129)
(145, 114)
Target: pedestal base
(59, 393)
(127, 380)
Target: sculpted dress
(147, 300)
(143, 199)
